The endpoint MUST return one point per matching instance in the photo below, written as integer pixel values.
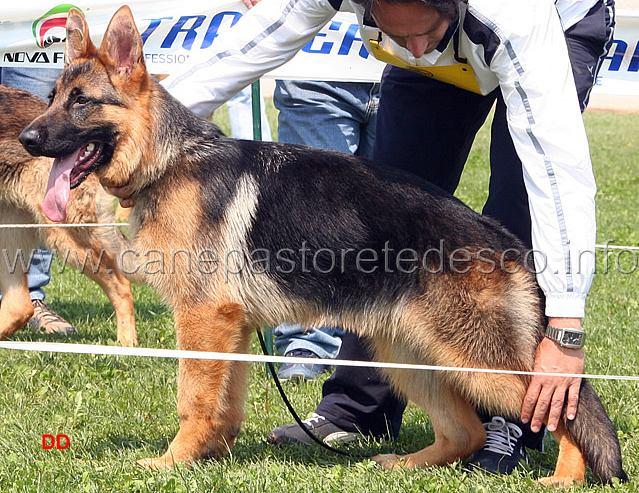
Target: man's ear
(121, 49)
(78, 43)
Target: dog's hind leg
(211, 393)
(571, 464)
(458, 430)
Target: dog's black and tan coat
(290, 233)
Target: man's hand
(250, 3)
(546, 394)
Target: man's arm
(267, 36)
(545, 122)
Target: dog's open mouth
(85, 163)
(67, 173)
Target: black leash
(289, 406)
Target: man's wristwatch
(568, 338)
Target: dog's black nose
(31, 139)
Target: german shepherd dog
(290, 233)
(23, 181)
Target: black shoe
(319, 425)
(503, 450)
(301, 371)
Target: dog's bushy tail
(594, 434)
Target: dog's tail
(594, 434)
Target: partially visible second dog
(23, 181)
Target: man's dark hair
(448, 9)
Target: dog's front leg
(211, 394)
(16, 308)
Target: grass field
(116, 410)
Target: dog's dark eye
(81, 100)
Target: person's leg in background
(326, 115)
(240, 109)
(313, 343)
(38, 81)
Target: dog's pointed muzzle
(32, 138)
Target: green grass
(116, 410)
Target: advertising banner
(32, 35)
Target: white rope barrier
(77, 225)
(612, 247)
(91, 349)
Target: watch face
(572, 339)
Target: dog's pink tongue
(56, 197)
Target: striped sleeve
(547, 128)
(267, 36)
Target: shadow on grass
(242, 452)
(253, 446)
(96, 320)
(248, 449)
(103, 312)
(114, 444)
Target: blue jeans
(324, 341)
(38, 81)
(327, 115)
(241, 116)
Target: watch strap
(558, 335)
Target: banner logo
(50, 28)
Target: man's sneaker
(503, 450)
(301, 371)
(45, 320)
(326, 431)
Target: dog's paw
(391, 462)
(156, 463)
(562, 482)
(128, 341)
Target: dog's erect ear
(78, 44)
(121, 48)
